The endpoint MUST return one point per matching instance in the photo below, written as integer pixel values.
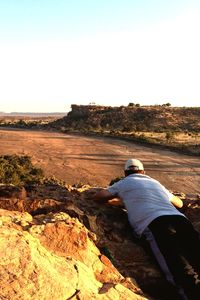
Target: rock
(191, 209)
(179, 194)
(33, 267)
(98, 237)
(129, 117)
(10, 191)
(37, 206)
(50, 191)
(28, 271)
(66, 236)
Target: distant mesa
(33, 114)
(131, 118)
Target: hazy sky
(57, 52)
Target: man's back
(144, 198)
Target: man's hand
(176, 201)
(115, 202)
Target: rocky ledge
(57, 245)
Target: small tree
(166, 104)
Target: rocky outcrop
(54, 257)
(55, 244)
(128, 118)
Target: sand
(95, 161)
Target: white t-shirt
(144, 198)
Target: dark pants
(176, 247)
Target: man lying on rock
(153, 216)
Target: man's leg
(190, 244)
(166, 242)
(161, 260)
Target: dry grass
(178, 137)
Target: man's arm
(176, 201)
(102, 196)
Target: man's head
(133, 166)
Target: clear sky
(57, 52)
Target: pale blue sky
(55, 53)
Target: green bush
(18, 170)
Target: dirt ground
(95, 161)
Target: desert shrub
(127, 127)
(169, 136)
(133, 134)
(52, 181)
(166, 104)
(142, 137)
(19, 170)
(113, 132)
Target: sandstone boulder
(69, 267)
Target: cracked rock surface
(37, 262)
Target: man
(153, 216)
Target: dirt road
(96, 161)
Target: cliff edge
(131, 118)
